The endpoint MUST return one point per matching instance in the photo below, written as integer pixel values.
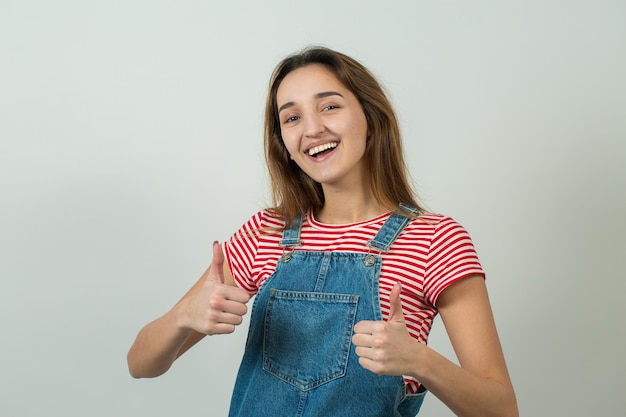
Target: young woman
(348, 271)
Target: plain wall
(131, 139)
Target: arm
(480, 386)
(214, 305)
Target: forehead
(305, 82)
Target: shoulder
(431, 225)
(255, 231)
(436, 224)
(264, 219)
(448, 238)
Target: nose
(314, 125)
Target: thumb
(217, 266)
(395, 311)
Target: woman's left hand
(386, 347)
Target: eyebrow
(317, 96)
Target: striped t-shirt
(432, 252)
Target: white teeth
(321, 148)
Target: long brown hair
(293, 191)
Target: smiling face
(322, 126)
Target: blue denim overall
(299, 359)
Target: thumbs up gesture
(386, 347)
(211, 306)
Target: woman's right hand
(212, 306)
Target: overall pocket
(307, 336)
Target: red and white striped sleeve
(240, 252)
(451, 257)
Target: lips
(319, 149)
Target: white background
(131, 138)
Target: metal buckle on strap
(370, 259)
(286, 256)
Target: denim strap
(291, 234)
(392, 228)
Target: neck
(350, 206)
